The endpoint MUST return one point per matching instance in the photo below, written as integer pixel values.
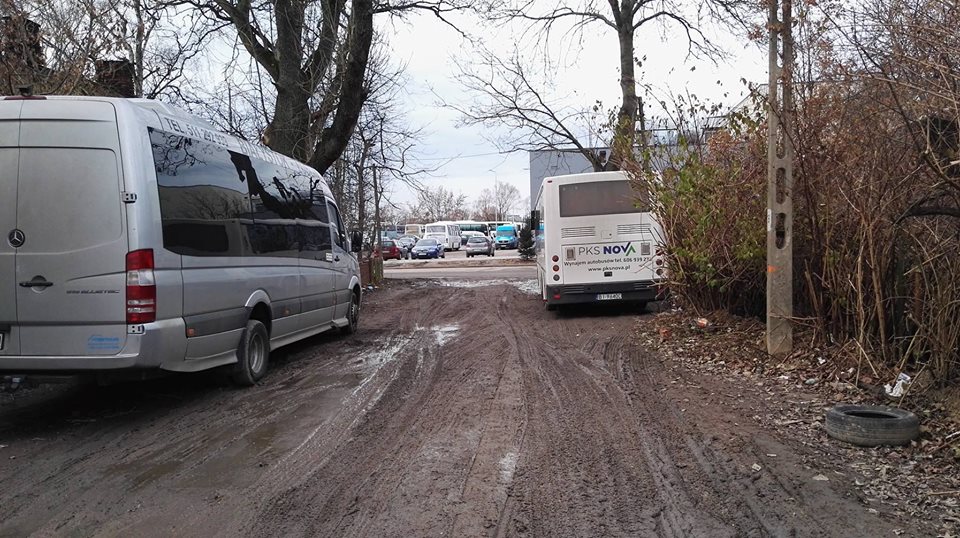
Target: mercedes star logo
(16, 239)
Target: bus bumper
(641, 291)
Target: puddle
(370, 362)
(378, 357)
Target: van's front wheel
(252, 354)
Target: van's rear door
(70, 272)
(9, 153)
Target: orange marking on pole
(771, 268)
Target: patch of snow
(371, 361)
(470, 283)
(508, 464)
(525, 286)
(528, 286)
(446, 333)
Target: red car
(391, 250)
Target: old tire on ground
(353, 314)
(252, 354)
(870, 425)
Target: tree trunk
(353, 94)
(288, 129)
(625, 130)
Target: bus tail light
(141, 287)
(556, 277)
(660, 271)
(556, 296)
(556, 268)
(659, 261)
(555, 258)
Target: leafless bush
(876, 197)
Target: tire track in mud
(708, 449)
(454, 411)
(609, 477)
(410, 454)
(490, 475)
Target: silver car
(480, 245)
(136, 237)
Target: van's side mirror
(356, 241)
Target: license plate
(609, 296)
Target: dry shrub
(875, 242)
(710, 203)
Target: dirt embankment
(454, 411)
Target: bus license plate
(609, 296)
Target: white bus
(473, 226)
(595, 243)
(413, 229)
(446, 232)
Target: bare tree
(440, 204)
(382, 151)
(127, 47)
(485, 208)
(533, 115)
(515, 94)
(315, 54)
(505, 198)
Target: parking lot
(462, 255)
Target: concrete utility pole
(780, 181)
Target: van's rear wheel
(252, 354)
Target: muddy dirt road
(462, 410)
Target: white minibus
(596, 241)
(137, 238)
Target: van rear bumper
(640, 291)
(160, 340)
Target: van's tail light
(141, 287)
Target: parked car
(428, 248)
(480, 244)
(408, 242)
(464, 236)
(391, 250)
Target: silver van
(136, 237)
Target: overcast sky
(470, 162)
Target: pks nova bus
(597, 241)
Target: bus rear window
(600, 198)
